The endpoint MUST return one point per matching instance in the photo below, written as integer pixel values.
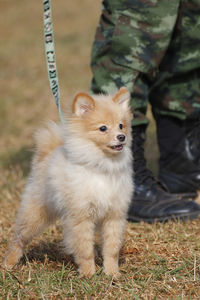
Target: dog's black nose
(121, 137)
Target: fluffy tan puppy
(82, 174)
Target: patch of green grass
(152, 270)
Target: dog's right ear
(122, 97)
(83, 104)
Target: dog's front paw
(87, 269)
(112, 269)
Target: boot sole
(183, 217)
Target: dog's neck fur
(90, 156)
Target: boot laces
(142, 174)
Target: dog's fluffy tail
(47, 139)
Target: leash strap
(50, 55)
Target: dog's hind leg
(32, 219)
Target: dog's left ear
(83, 104)
(122, 97)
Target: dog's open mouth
(117, 147)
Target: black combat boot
(179, 144)
(151, 201)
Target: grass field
(159, 261)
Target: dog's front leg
(112, 234)
(79, 241)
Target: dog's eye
(120, 126)
(103, 128)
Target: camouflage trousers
(153, 48)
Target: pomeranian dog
(81, 174)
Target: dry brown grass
(159, 261)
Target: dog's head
(104, 120)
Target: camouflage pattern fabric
(153, 48)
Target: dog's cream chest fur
(90, 188)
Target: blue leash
(50, 55)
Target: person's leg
(176, 105)
(130, 42)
